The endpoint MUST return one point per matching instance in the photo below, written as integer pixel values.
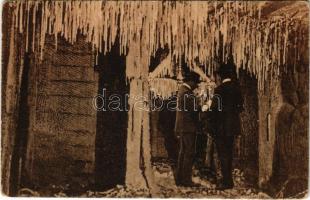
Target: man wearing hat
(224, 111)
(186, 125)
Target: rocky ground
(166, 188)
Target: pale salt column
(134, 177)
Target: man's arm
(211, 115)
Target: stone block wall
(62, 120)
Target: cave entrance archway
(111, 134)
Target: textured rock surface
(291, 161)
(61, 145)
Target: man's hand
(206, 106)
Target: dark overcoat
(227, 103)
(187, 111)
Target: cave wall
(290, 167)
(283, 154)
(62, 120)
(269, 101)
(246, 153)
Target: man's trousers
(185, 158)
(224, 146)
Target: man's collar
(188, 86)
(226, 80)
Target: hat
(189, 75)
(192, 76)
(225, 70)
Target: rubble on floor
(119, 191)
(166, 187)
(165, 180)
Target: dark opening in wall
(163, 140)
(19, 150)
(110, 153)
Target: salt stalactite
(164, 87)
(203, 31)
(11, 71)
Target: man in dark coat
(227, 103)
(186, 125)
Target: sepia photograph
(155, 99)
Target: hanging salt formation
(164, 87)
(200, 31)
